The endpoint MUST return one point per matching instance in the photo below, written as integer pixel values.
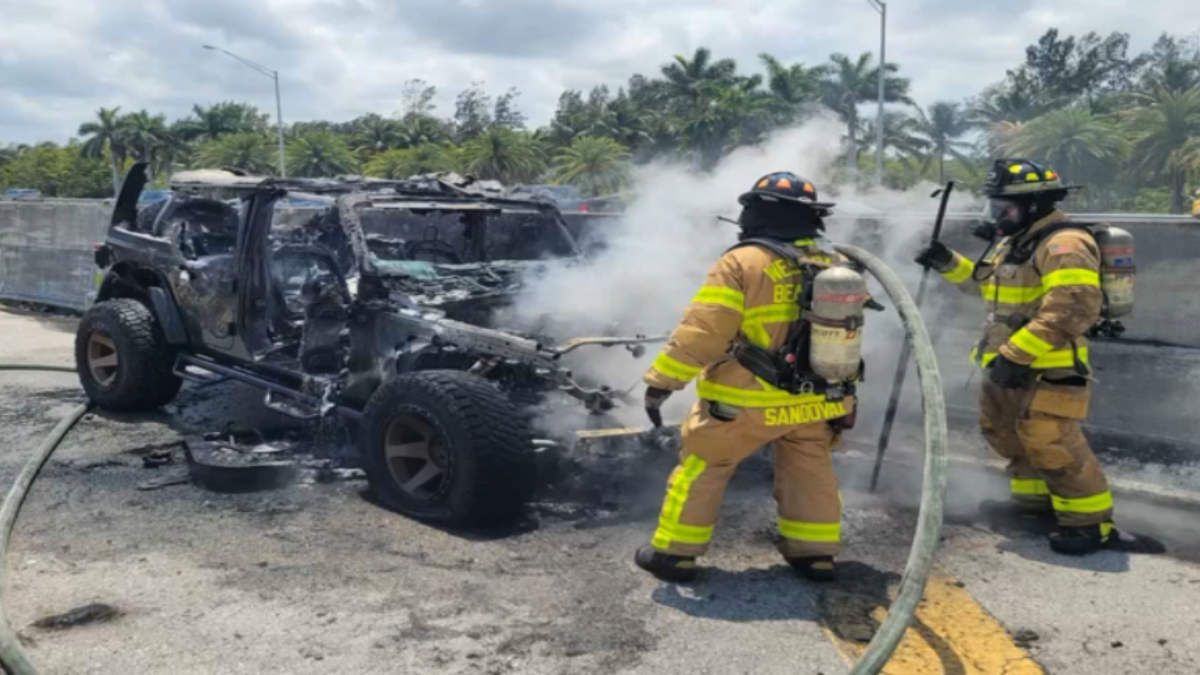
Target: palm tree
(944, 124)
(374, 133)
(107, 135)
(144, 133)
(1164, 126)
(505, 155)
(847, 83)
(319, 153)
(227, 117)
(1076, 141)
(251, 152)
(417, 129)
(901, 132)
(595, 165)
(401, 164)
(795, 87)
(725, 118)
(686, 78)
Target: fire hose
(916, 571)
(933, 484)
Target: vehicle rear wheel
(124, 362)
(448, 447)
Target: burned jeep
(373, 305)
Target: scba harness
(790, 367)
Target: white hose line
(12, 654)
(933, 490)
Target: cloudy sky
(59, 61)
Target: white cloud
(340, 58)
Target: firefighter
(1040, 281)
(749, 301)
(1196, 205)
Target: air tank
(835, 348)
(1117, 270)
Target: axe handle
(889, 417)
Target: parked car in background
(21, 195)
(153, 196)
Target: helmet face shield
(1005, 215)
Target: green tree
(796, 88)
(901, 133)
(107, 139)
(419, 129)
(505, 113)
(726, 117)
(686, 79)
(1171, 67)
(319, 154)
(250, 152)
(595, 165)
(226, 117)
(472, 112)
(1165, 126)
(504, 155)
(57, 171)
(942, 127)
(374, 133)
(401, 164)
(144, 133)
(851, 82)
(1075, 141)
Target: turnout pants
(806, 490)
(1050, 463)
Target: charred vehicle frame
(327, 318)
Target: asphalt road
(316, 579)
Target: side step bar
(301, 404)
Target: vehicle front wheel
(124, 362)
(448, 447)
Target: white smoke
(657, 254)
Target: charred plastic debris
(375, 302)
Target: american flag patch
(1056, 249)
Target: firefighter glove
(935, 256)
(1010, 374)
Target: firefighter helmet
(784, 186)
(1021, 177)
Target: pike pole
(889, 417)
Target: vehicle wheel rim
(416, 457)
(103, 360)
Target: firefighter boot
(664, 566)
(815, 568)
(1082, 540)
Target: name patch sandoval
(804, 414)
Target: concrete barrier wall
(46, 250)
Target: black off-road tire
(485, 445)
(143, 378)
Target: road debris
(96, 612)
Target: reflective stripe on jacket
(1055, 294)
(749, 294)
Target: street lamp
(881, 7)
(274, 75)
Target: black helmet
(1021, 177)
(1020, 193)
(786, 187)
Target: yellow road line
(952, 634)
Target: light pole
(881, 7)
(274, 75)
